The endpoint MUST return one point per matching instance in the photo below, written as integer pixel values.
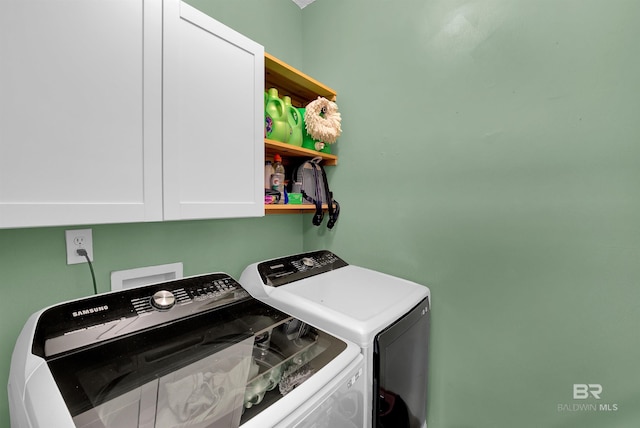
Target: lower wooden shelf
(292, 208)
(287, 150)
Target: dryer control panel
(285, 270)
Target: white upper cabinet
(76, 144)
(213, 110)
(100, 122)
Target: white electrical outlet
(78, 239)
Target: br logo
(582, 391)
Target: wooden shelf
(292, 82)
(292, 209)
(302, 89)
(283, 149)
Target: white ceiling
(303, 3)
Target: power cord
(83, 252)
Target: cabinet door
(76, 144)
(213, 109)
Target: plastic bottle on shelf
(268, 172)
(276, 124)
(277, 178)
(295, 123)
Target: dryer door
(400, 371)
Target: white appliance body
(331, 396)
(358, 305)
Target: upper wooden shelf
(283, 149)
(292, 82)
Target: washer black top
(85, 322)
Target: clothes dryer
(388, 317)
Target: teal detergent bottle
(275, 117)
(295, 123)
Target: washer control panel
(215, 289)
(84, 322)
(285, 270)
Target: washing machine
(388, 317)
(196, 352)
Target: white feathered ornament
(322, 121)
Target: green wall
(491, 150)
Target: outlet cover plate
(78, 238)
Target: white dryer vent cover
(303, 3)
(129, 278)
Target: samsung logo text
(90, 311)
